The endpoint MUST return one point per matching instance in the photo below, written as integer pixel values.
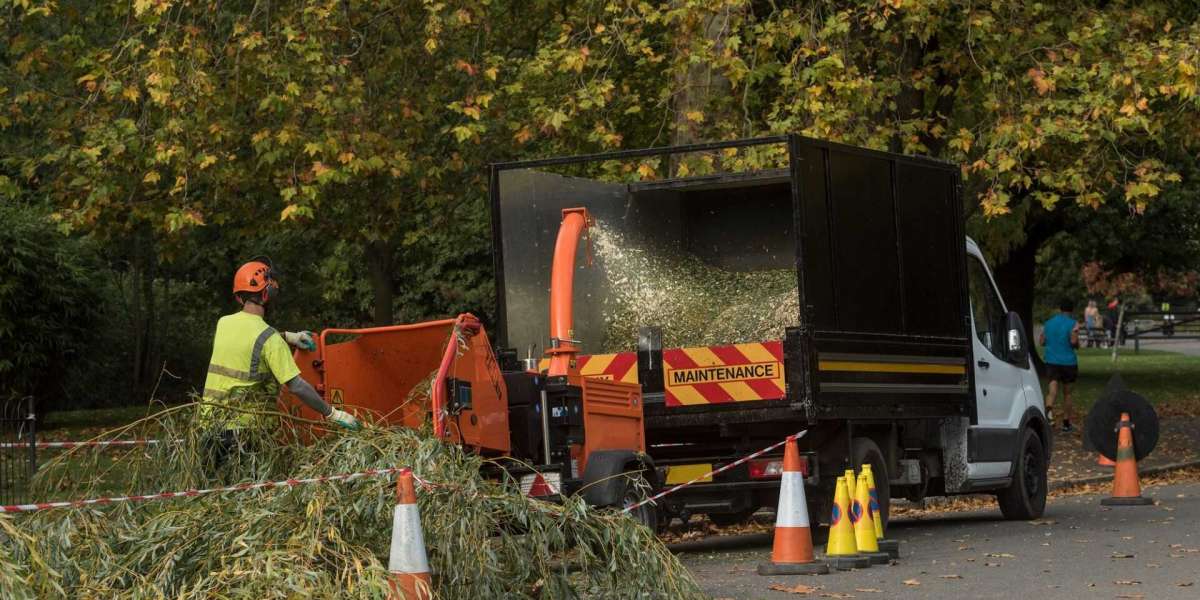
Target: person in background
(1093, 322)
(1110, 321)
(1060, 337)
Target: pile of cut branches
(484, 539)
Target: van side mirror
(1018, 349)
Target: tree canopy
(182, 134)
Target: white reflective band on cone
(793, 510)
(408, 543)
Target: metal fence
(18, 452)
(1163, 327)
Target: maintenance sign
(723, 373)
(719, 374)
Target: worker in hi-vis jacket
(247, 351)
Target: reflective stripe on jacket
(246, 351)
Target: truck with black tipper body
(755, 288)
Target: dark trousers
(223, 449)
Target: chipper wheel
(637, 488)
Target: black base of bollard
(892, 547)
(1127, 501)
(877, 558)
(848, 562)
(811, 568)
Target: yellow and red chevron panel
(621, 366)
(700, 375)
(722, 374)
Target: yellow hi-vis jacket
(246, 351)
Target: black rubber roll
(1102, 423)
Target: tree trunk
(137, 321)
(145, 315)
(1016, 280)
(379, 267)
(698, 83)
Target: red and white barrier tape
(89, 444)
(241, 487)
(740, 461)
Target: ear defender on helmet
(271, 290)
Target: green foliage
(350, 137)
(484, 538)
(48, 301)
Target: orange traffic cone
(793, 551)
(1126, 489)
(407, 562)
(842, 552)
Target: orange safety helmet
(255, 277)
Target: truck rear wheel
(1025, 498)
(866, 452)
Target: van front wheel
(1025, 498)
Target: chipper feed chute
(389, 374)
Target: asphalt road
(1079, 549)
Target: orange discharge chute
(563, 345)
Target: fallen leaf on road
(878, 591)
(1183, 583)
(1152, 565)
(951, 576)
(1127, 582)
(800, 588)
(1120, 555)
(1132, 596)
(913, 582)
(1042, 522)
(991, 564)
(999, 555)
(836, 595)
(966, 547)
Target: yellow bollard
(864, 528)
(892, 547)
(841, 552)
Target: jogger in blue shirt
(1060, 336)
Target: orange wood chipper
(578, 433)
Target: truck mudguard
(602, 481)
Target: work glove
(300, 339)
(343, 419)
